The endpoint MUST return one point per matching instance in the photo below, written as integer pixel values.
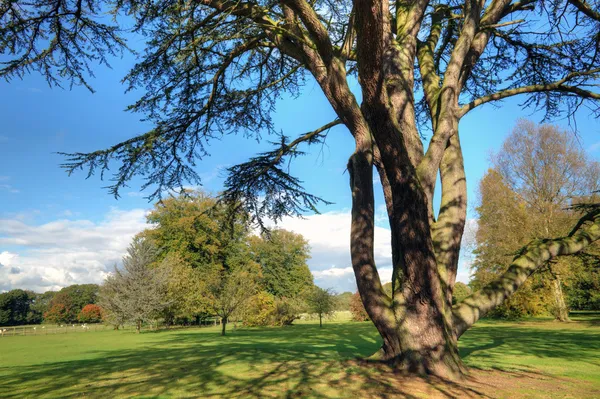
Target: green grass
(296, 361)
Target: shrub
(259, 310)
(58, 314)
(90, 314)
(286, 311)
(357, 308)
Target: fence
(79, 328)
(51, 330)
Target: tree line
(199, 260)
(72, 304)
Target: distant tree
(357, 308)
(90, 314)
(342, 301)
(40, 305)
(74, 298)
(58, 313)
(583, 284)
(259, 310)
(137, 292)
(321, 301)
(186, 290)
(282, 256)
(461, 291)
(539, 172)
(232, 290)
(15, 307)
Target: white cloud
(64, 252)
(329, 238)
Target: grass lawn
(534, 358)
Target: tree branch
(585, 8)
(558, 86)
(530, 259)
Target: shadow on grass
(297, 361)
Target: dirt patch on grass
(379, 381)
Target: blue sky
(57, 230)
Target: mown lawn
(534, 358)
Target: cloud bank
(64, 252)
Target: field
(534, 358)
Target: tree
(73, 298)
(357, 308)
(232, 290)
(539, 173)
(216, 67)
(322, 302)
(342, 301)
(90, 314)
(137, 292)
(461, 291)
(58, 313)
(40, 305)
(282, 256)
(15, 307)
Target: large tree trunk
(414, 326)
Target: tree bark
(223, 325)
(561, 312)
(320, 320)
(138, 326)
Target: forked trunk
(414, 325)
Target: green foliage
(207, 247)
(460, 292)
(137, 292)
(282, 256)
(583, 287)
(320, 301)
(40, 306)
(260, 309)
(342, 301)
(538, 173)
(15, 308)
(73, 298)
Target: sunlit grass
(300, 360)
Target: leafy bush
(357, 308)
(259, 310)
(90, 314)
(57, 314)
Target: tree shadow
(300, 361)
(290, 362)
